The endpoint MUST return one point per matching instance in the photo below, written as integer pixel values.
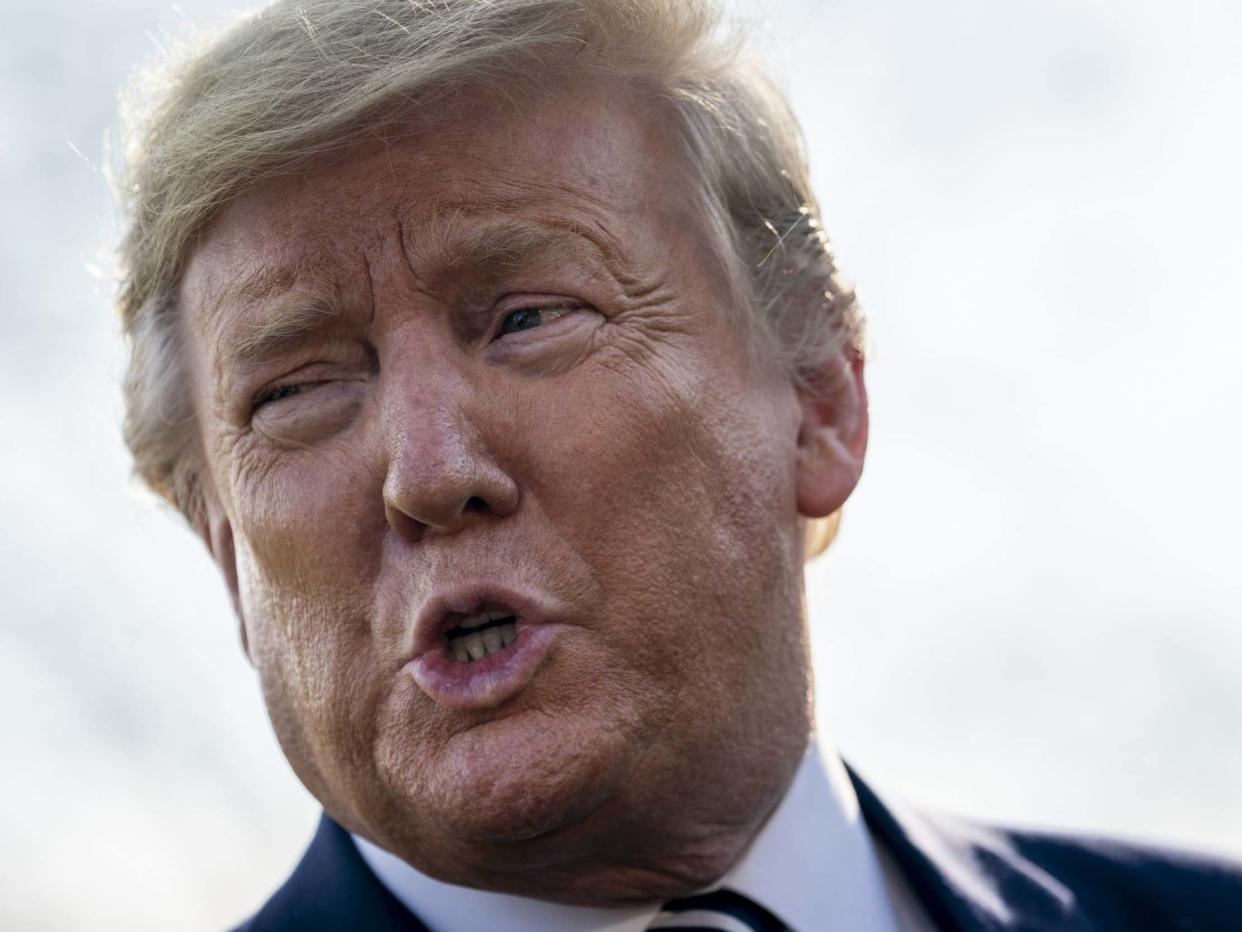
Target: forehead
(593, 159)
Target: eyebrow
(449, 244)
(284, 324)
(446, 247)
(288, 314)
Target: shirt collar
(812, 865)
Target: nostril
(474, 503)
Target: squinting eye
(527, 318)
(275, 394)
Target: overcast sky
(1033, 612)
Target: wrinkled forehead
(587, 157)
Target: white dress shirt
(813, 865)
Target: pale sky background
(1034, 612)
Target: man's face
(487, 368)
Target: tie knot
(718, 911)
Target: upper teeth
(479, 644)
(482, 618)
(481, 634)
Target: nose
(441, 476)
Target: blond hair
(303, 78)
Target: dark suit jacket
(968, 876)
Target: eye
(275, 394)
(528, 318)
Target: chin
(522, 810)
(513, 780)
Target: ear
(832, 437)
(216, 530)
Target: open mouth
(476, 647)
(481, 634)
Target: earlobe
(832, 437)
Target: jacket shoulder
(331, 889)
(1120, 884)
(972, 876)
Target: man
(496, 353)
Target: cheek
(308, 550)
(682, 503)
(313, 520)
(682, 461)
(693, 528)
(317, 665)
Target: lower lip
(486, 683)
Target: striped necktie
(718, 911)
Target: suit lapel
(333, 889)
(970, 878)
